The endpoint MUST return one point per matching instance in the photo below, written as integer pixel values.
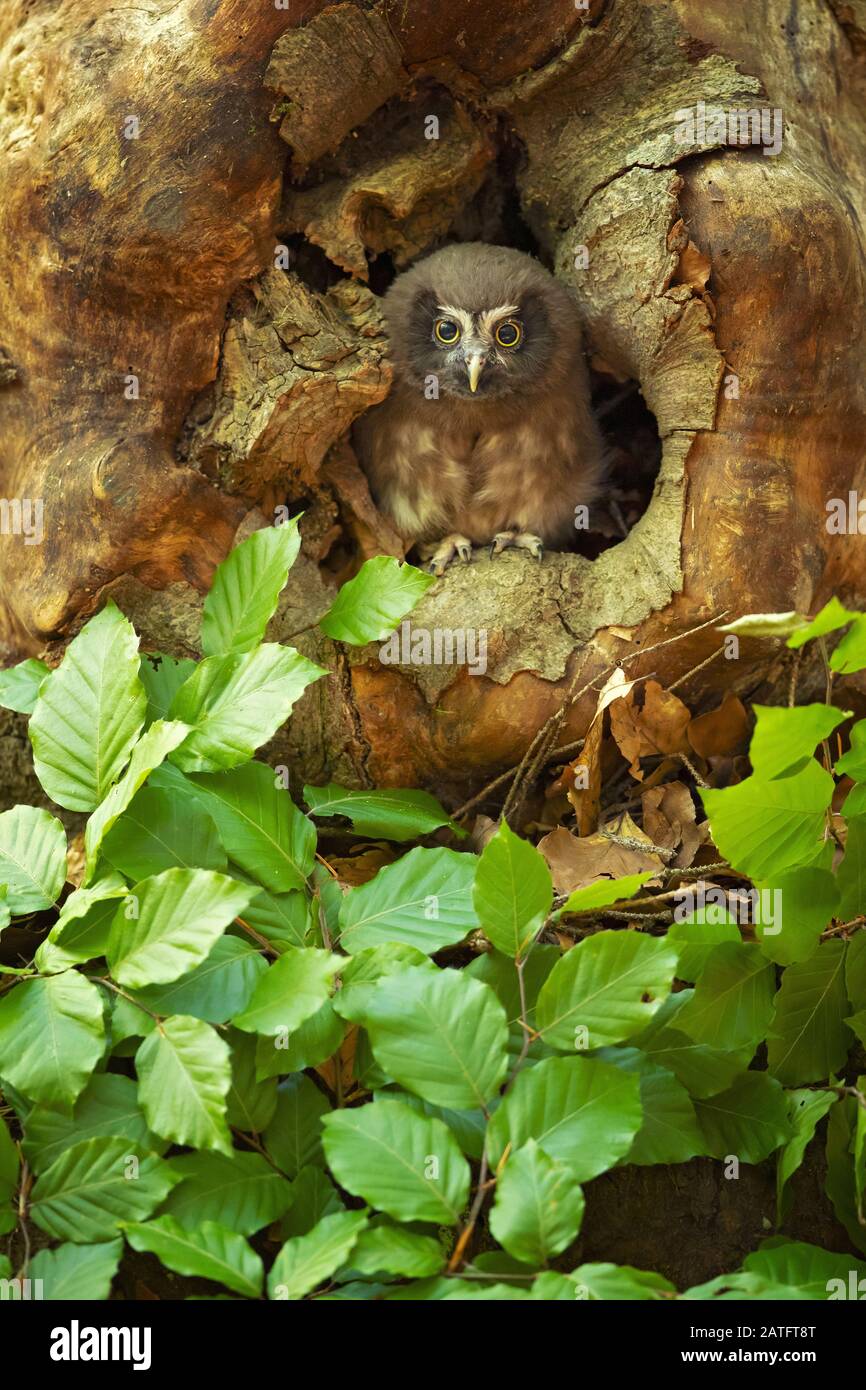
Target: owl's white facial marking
(490, 318)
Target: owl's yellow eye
(509, 334)
(447, 331)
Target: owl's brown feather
(520, 454)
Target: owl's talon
(440, 555)
(518, 540)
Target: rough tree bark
(164, 381)
(144, 199)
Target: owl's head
(485, 321)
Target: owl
(487, 436)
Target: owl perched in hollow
(487, 436)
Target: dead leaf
(482, 832)
(722, 732)
(75, 858)
(669, 819)
(355, 869)
(576, 862)
(328, 1069)
(584, 791)
(658, 725)
(694, 268)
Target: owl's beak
(474, 367)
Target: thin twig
(681, 680)
(257, 936)
(701, 781)
(480, 1193)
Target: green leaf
(162, 676)
(9, 1164)
(702, 1070)
(215, 990)
(391, 814)
(406, 1164)
(362, 972)
(96, 1184)
(251, 1101)
(211, 1251)
(423, 900)
(733, 1000)
(831, 617)
(52, 1035)
(246, 588)
(152, 748)
(581, 1112)
(77, 1273)
(240, 1190)
(440, 1034)
(762, 827)
(292, 990)
(108, 1107)
(81, 931)
(538, 1207)
(512, 893)
(163, 830)
(19, 685)
(307, 1261)
(318, 1038)
(809, 1039)
(807, 900)
(616, 1283)
(785, 737)
(853, 763)
(839, 1183)
(385, 1249)
(806, 1268)
(670, 1132)
(89, 714)
(184, 1075)
(294, 1137)
(285, 919)
(850, 655)
(694, 938)
(602, 893)
(32, 859)
(805, 1109)
(314, 1196)
(179, 916)
(370, 606)
(855, 970)
(749, 1121)
(236, 703)
(260, 826)
(851, 874)
(604, 989)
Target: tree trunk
(142, 195)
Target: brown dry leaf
(482, 832)
(584, 795)
(356, 869)
(75, 857)
(722, 732)
(669, 818)
(328, 1071)
(575, 862)
(657, 726)
(694, 268)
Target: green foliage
(292, 1087)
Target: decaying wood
(729, 284)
